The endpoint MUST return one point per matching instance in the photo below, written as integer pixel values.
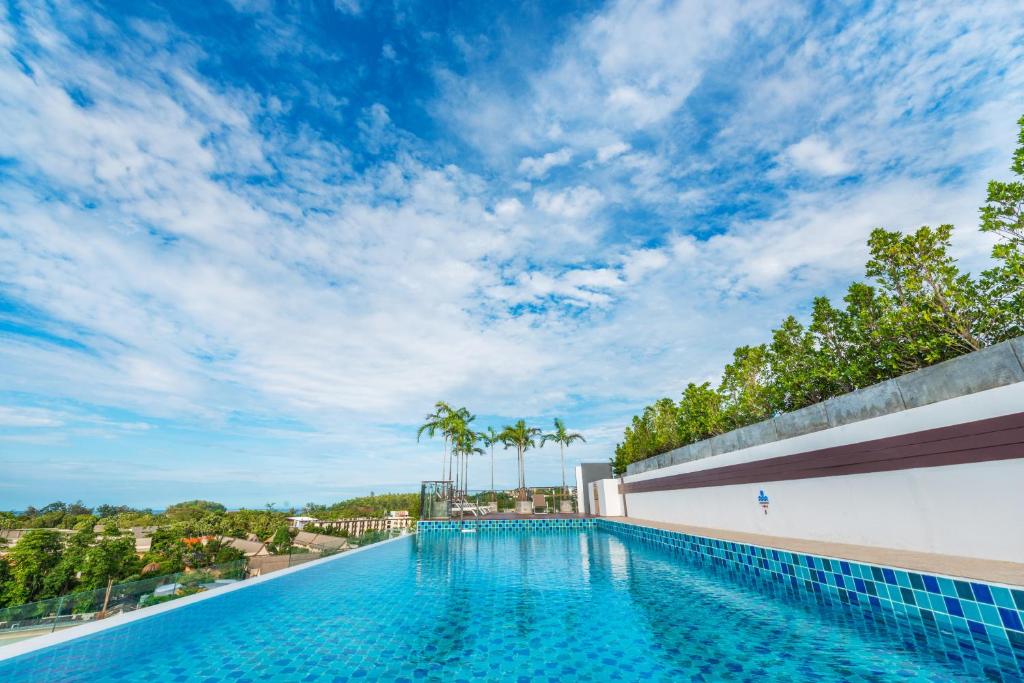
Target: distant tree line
(916, 309)
(71, 548)
(366, 506)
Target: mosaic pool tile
(603, 602)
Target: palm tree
(563, 438)
(490, 438)
(438, 421)
(447, 421)
(454, 426)
(464, 445)
(523, 438)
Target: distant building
(249, 548)
(319, 543)
(356, 526)
(299, 522)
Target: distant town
(80, 562)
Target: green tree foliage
(5, 581)
(700, 413)
(281, 542)
(746, 387)
(57, 515)
(240, 523)
(110, 558)
(32, 559)
(193, 510)
(564, 438)
(522, 438)
(1003, 216)
(918, 308)
(366, 506)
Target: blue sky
(244, 246)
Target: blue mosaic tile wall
(971, 619)
(979, 620)
(505, 524)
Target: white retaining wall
(973, 510)
(603, 498)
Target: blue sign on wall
(762, 499)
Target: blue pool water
(522, 606)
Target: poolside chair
(467, 508)
(540, 503)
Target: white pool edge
(24, 647)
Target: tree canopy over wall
(915, 309)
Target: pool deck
(997, 571)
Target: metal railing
(45, 616)
(438, 501)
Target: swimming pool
(524, 605)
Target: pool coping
(1002, 572)
(24, 647)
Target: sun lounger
(468, 508)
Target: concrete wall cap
(756, 434)
(813, 418)
(863, 404)
(991, 367)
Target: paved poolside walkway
(997, 571)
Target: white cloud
(28, 417)
(571, 204)
(508, 208)
(348, 6)
(607, 152)
(814, 154)
(643, 261)
(538, 167)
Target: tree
(464, 440)
(799, 369)
(522, 438)
(746, 387)
(1003, 212)
(5, 578)
(935, 309)
(222, 553)
(8, 520)
(565, 438)
(439, 421)
(192, 510)
(110, 558)
(32, 558)
(700, 413)
(1003, 216)
(242, 522)
(490, 438)
(63, 577)
(281, 542)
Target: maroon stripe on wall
(997, 438)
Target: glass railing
(45, 616)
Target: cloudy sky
(244, 246)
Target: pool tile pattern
(427, 526)
(985, 619)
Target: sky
(245, 245)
